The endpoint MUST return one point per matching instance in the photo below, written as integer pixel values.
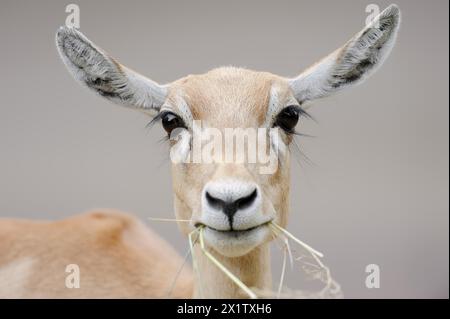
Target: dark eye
(171, 121)
(287, 119)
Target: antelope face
(233, 200)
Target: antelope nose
(230, 202)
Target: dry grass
(308, 259)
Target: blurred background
(375, 190)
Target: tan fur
(227, 97)
(118, 256)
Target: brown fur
(118, 258)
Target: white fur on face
(354, 62)
(249, 223)
(185, 111)
(237, 244)
(276, 104)
(230, 190)
(180, 150)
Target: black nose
(230, 207)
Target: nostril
(231, 206)
(239, 203)
(214, 201)
(246, 201)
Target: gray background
(376, 192)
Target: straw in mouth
(228, 273)
(331, 286)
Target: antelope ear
(352, 63)
(95, 69)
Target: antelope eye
(287, 119)
(171, 121)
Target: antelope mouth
(236, 242)
(233, 231)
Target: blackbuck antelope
(232, 204)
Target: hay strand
(298, 241)
(283, 269)
(235, 279)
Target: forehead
(229, 97)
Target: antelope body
(118, 255)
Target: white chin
(235, 243)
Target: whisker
(164, 161)
(302, 156)
(296, 133)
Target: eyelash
(301, 114)
(159, 117)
